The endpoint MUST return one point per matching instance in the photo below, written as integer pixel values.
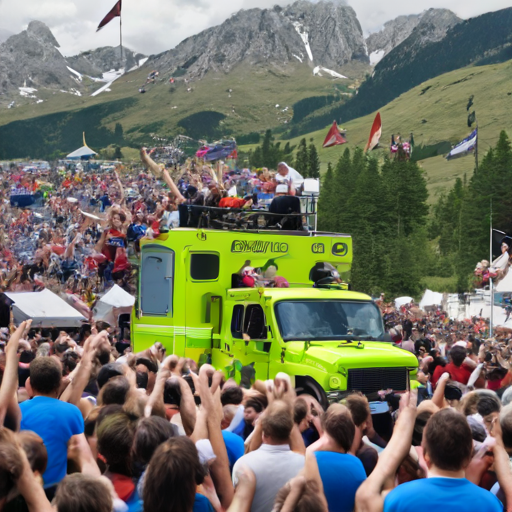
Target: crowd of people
(89, 426)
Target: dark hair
(488, 403)
(107, 372)
(359, 408)
(83, 493)
(300, 410)
(69, 361)
(258, 403)
(447, 440)
(506, 425)
(172, 477)
(45, 375)
(35, 449)
(114, 391)
(115, 440)
(337, 422)
(232, 395)
(150, 434)
(11, 466)
(457, 354)
(419, 427)
(150, 365)
(277, 423)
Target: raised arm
(157, 171)
(73, 392)
(370, 495)
(10, 378)
(121, 188)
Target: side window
(156, 281)
(237, 322)
(204, 266)
(254, 322)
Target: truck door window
(254, 322)
(204, 266)
(237, 322)
(156, 281)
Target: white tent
(114, 303)
(45, 309)
(431, 298)
(401, 301)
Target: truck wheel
(309, 386)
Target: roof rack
(237, 219)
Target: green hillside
(435, 111)
(244, 101)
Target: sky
(154, 26)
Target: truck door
(156, 281)
(244, 349)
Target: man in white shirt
(290, 175)
(273, 464)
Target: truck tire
(309, 386)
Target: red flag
(334, 137)
(114, 13)
(375, 133)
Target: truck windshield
(310, 320)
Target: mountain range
(293, 69)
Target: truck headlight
(334, 382)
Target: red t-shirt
(458, 373)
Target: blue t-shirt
(202, 504)
(341, 475)
(453, 494)
(55, 422)
(234, 446)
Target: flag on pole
(114, 13)
(334, 137)
(464, 147)
(375, 133)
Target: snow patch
(317, 70)
(79, 75)
(376, 57)
(143, 61)
(110, 77)
(305, 38)
(297, 57)
(39, 101)
(27, 92)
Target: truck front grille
(371, 380)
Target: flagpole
(121, 36)
(476, 148)
(491, 322)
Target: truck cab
(329, 339)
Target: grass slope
(443, 106)
(249, 107)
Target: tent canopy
(401, 301)
(45, 309)
(84, 152)
(114, 303)
(431, 298)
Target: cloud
(153, 26)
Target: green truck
(328, 338)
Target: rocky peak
(98, 61)
(326, 33)
(39, 31)
(429, 26)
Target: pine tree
(314, 162)
(302, 159)
(266, 147)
